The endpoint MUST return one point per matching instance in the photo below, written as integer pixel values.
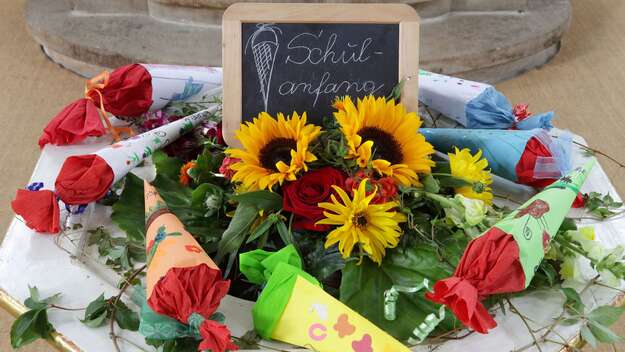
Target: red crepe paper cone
(490, 265)
(73, 124)
(128, 91)
(84, 179)
(505, 258)
(39, 209)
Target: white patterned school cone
(125, 155)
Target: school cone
(182, 281)
(505, 257)
(293, 308)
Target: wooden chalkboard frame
(402, 14)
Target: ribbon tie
(95, 86)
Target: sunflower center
(359, 220)
(385, 146)
(275, 151)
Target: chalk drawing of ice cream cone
(264, 46)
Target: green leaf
(452, 182)
(588, 336)
(128, 212)
(125, 317)
(239, 226)
(318, 261)
(249, 340)
(262, 228)
(569, 321)
(179, 201)
(363, 286)
(35, 301)
(430, 184)
(29, 327)
(606, 315)
(285, 234)
(206, 165)
(573, 301)
(264, 200)
(166, 166)
(603, 333)
(96, 312)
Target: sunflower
(472, 168)
(273, 150)
(373, 227)
(381, 134)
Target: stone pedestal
(488, 40)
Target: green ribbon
(431, 321)
(258, 265)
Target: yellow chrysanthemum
(472, 168)
(274, 150)
(382, 135)
(373, 227)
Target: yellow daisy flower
(382, 135)
(373, 227)
(472, 168)
(274, 150)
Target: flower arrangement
(362, 201)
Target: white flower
(212, 204)
(474, 209)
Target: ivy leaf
(606, 315)
(249, 341)
(29, 327)
(264, 200)
(603, 333)
(96, 313)
(363, 286)
(166, 166)
(128, 212)
(35, 301)
(573, 302)
(588, 336)
(234, 235)
(125, 317)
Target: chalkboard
(305, 66)
(300, 57)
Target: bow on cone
(182, 281)
(127, 91)
(505, 257)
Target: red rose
(302, 196)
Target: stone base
(481, 45)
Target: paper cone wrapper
(474, 104)
(172, 83)
(168, 244)
(313, 319)
(503, 149)
(126, 155)
(537, 221)
(448, 95)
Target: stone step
(481, 45)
